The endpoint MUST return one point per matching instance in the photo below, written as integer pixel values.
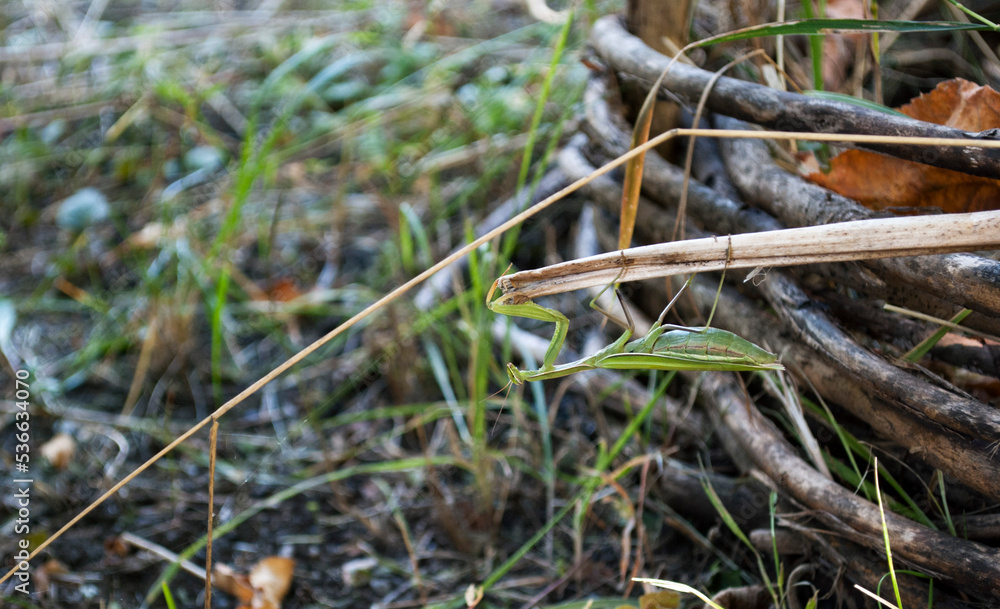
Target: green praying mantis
(664, 347)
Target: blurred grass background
(188, 196)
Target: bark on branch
(788, 111)
(967, 564)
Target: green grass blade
(406, 249)
(440, 370)
(415, 463)
(734, 528)
(727, 518)
(854, 101)
(816, 44)
(885, 536)
(217, 308)
(944, 505)
(424, 252)
(835, 26)
(772, 505)
(853, 474)
(973, 14)
(542, 413)
(510, 239)
(928, 343)
(543, 98)
(168, 597)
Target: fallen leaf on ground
(748, 597)
(270, 579)
(59, 450)
(878, 181)
(114, 546)
(231, 582)
(43, 574)
(283, 290)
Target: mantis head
(514, 374)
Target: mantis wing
(694, 349)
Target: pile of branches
(832, 334)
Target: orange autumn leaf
(263, 588)
(226, 579)
(271, 578)
(59, 450)
(957, 103)
(283, 290)
(879, 181)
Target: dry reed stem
(213, 436)
(845, 241)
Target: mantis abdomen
(694, 349)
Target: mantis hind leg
(718, 292)
(715, 303)
(628, 324)
(670, 305)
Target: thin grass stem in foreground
(454, 257)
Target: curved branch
(967, 564)
(965, 279)
(788, 111)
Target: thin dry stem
(689, 157)
(941, 322)
(213, 436)
(385, 300)
(455, 256)
(165, 554)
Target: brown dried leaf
(271, 578)
(879, 181)
(748, 597)
(231, 582)
(59, 450)
(43, 575)
(283, 290)
(957, 103)
(115, 547)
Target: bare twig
(928, 283)
(970, 281)
(966, 459)
(963, 562)
(788, 111)
(860, 240)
